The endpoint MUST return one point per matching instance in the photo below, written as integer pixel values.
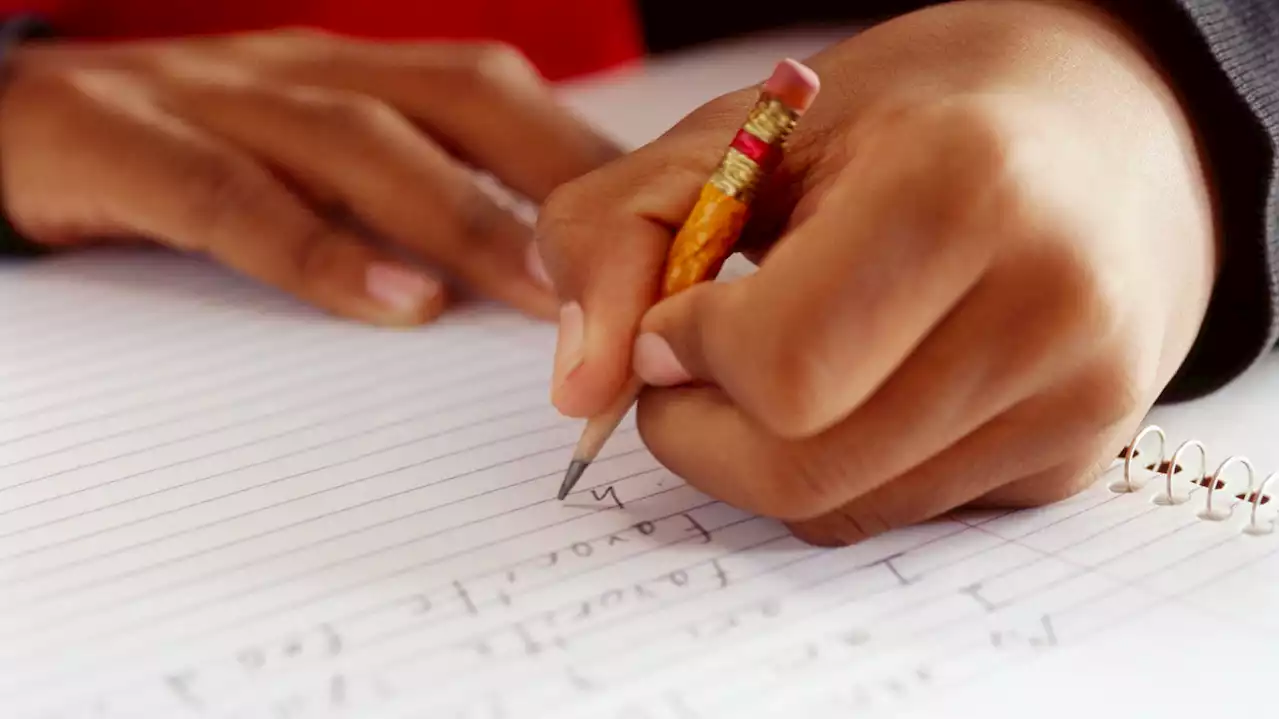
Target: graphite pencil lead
(571, 477)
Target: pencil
(712, 228)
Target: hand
(994, 246)
(329, 168)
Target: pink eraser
(793, 84)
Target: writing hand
(989, 248)
(306, 161)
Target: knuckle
(961, 159)
(785, 389)
(500, 65)
(561, 211)
(971, 133)
(794, 411)
(217, 188)
(312, 255)
(681, 156)
(1107, 394)
(479, 217)
(719, 112)
(78, 86)
(1072, 293)
(1069, 303)
(347, 112)
(971, 139)
(560, 205)
(1050, 487)
(804, 400)
(789, 391)
(811, 486)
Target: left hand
(332, 168)
(994, 248)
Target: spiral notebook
(217, 503)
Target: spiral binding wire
(1212, 483)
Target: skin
(329, 168)
(990, 247)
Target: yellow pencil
(708, 235)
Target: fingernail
(569, 345)
(399, 288)
(534, 265)
(656, 362)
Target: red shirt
(563, 38)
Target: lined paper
(217, 503)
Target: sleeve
(1222, 59)
(1222, 56)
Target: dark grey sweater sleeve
(1221, 58)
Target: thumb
(603, 239)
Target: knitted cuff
(14, 31)
(1221, 58)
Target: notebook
(215, 502)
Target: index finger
(484, 102)
(668, 188)
(604, 240)
(174, 183)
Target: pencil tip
(571, 477)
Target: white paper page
(217, 503)
(221, 510)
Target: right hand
(283, 155)
(977, 272)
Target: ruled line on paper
(257, 509)
(410, 391)
(384, 425)
(131, 336)
(37, 327)
(903, 609)
(781, 536)
(210, 352)
(56, 385)
(331, 538)
(328, 539)
(312, 399)
(326, 565)
(302, 383)
(792, 565)
(403, 570)
(473, 607)
(1109, 614)
(12, 639)
(988, 578)
(99, 557)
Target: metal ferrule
(739, 176)
(770, 120)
